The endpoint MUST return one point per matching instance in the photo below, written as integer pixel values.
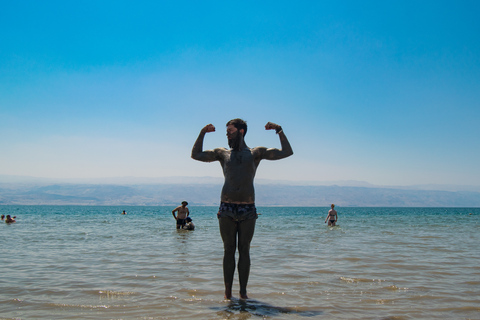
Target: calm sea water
(74, 262)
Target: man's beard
(234, 142)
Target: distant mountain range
(205, 191)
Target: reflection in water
(183, 235)
(262, 309)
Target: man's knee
(229, 248)
(244, 249)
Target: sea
(92, 262)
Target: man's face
(232, 132)
(234, 137)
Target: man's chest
(239, 158)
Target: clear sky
(386, 92)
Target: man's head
(184, 203)
(239, 124)
(236, 130)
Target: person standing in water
(332, 216)
(237, 213)
(183, 213)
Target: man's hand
(209, 128)
(271, 126)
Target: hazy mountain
(206, 191)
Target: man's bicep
(209, 155)
(273, 154)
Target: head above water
(239, 124)
(332, 205)
(185, 202)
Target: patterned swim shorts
(237, 212)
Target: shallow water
(75, 262)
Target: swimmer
(189, 224)
(332, 216)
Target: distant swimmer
(189, 224)
(332, 216)
(9, 219)
(183, 213)
(124, 212)
(237, 213)
(3, 217)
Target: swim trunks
(237, 212)
(181, 222)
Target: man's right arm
(197, 150)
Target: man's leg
(228, 231)
(246, 228)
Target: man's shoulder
(221, 151)
(258, 149)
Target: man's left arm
(274, 153)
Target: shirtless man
(182, 214)
(237, 213)
(332, 216)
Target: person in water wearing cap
(237, 213)
(189, 224)
(182, 214)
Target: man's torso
(239, 168)
(182, 212)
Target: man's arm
(173, 212)
(274, 153)
(197, 150)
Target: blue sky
(386, 92)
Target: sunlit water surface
(74, 262)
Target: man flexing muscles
(237, 213)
